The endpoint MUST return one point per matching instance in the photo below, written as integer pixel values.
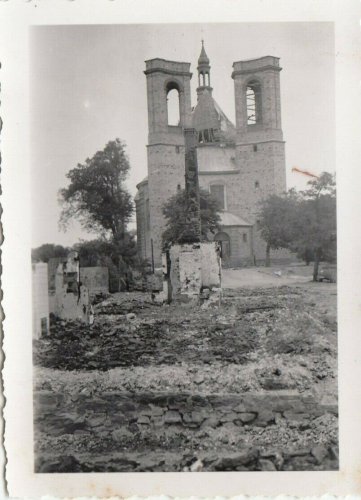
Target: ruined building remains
(238, 164)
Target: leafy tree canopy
(174, 211)
(275, 223)
(45, 252)
(316, 223)
(303, 222)
(96, 194)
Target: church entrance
(225, 243)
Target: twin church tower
(238, 164)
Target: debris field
(150, 387)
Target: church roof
(228, 219)
(208, 115)
(203, 59)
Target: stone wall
(151, 416)
(165, 172)
(260, 146)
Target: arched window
(218, 192)
(253, 97)
(173, 104)
(225, 242)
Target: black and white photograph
(184, 270)
(179, 264)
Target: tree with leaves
(118, 257)
(97, 197)
(174, 211)
(302, 222)
(47, 251)
(96, 194)
(276, 217)
(317, 220)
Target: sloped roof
(228, 219)
(203, 58)
(208, 115)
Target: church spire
(204, 70)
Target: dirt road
(264, 277)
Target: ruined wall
(193, 267)
(52, 267)
(185, 271)
(96, 279)
(211, 270)
(40, 299)
(71, 300)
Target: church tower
(259, 138)
(165, 148)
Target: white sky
(88, 87)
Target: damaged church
(238, 164)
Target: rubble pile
(112, 395)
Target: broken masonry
(192, 269)
(72, 301)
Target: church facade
(238, 164)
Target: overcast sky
(88, 87)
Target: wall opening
(173, 107)
(253, 99)
(207, 135)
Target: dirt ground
(274, 331)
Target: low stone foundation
(132, 419)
